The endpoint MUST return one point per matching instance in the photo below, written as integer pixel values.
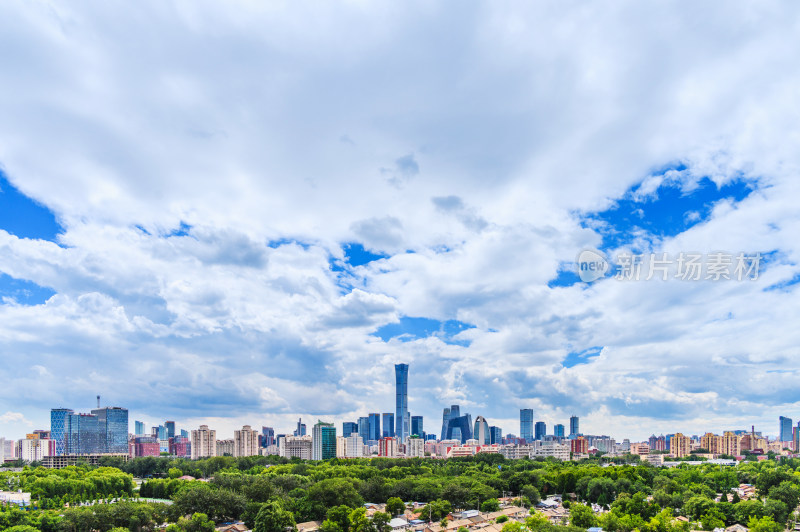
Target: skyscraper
(526, 424)
(540, 430)
(401, 410)
(375, 426)
(459, 428)
(481, 431)
(416, 426)
(348, 428)
(445, 420)
(388, 425)
(170, 426)
(301, 428)
(558, 430)
(496, 434)
(267, 436)
(112, 429)
(785, 428)
(574, 429)
(323, 441)
(59, 428)
(363, 428)
(139, 428)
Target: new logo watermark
(684, 266)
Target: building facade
(540, 430)
(245, 442)
(526, 424)
(323, 441)
(204, 442)
(402, 420)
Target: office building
(349, 427)
(481, 431)
(526, 424)
(574, 427)
(540, 430)
(445, 420)
(170, 426)
(323, 441)
(416, 426)
(112, 426)
(267, 436)
(579, 445)
(138, 428)
(204, 442)
(354, 446)
(388, 425)
(558, 430)
(459, 428)
(402, 419)
(180, 446)
(784, 428)
(245, 442)
(144, 446)
(363, 429)
(297, 447)
(301, 428)
(375, 426)
(59, 428)
(496, 435)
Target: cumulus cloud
(207, 192)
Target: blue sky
(285, 200)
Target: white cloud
(264, 129)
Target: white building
(354, 446)
(245, 442)
(341, 447)
(416, 447)
(550, 449)
(33, 449)
(204, 442)
(297, 447)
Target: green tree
(786, 492)
(712, 519)
(274, 518)
(395, 506)
(490, 505)
(501, 519)
(380, 522)
(340, 516)
(513, 526)
(436, 510)
(582, 516)
(764, 524)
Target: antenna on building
(98, 401)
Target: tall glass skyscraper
(139, 428)
(526, 424)
(785, 428)
(558, 430)
(388, 425)
(445, 420)
(496, 434)
(375, 426)
(349, 427)
(574, 429)
(540, 430)
(416, 426)
(363, 428)
(323, 441)
(59, 428)
(401, 411)
(170, 426)
(112, 425)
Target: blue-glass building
(460, 428)
(526, 424)
(375, 426)
(785, 428)
(349, 427)
(574, 428)
(496, 434)
(540, 430)
(170, 426)
(59, 428)
(416, 426)
(401, 411)
(388, 425)
(112, 426)
(558, 430)
(363, 428)
(138, 428)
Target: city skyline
(257, 211)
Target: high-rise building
(323, 441)
(204, 442)
(387, 447)
(574, 428)
(184, 433)
(445, 420)
(349, 427)
(375, 426)
(363, 428)
(496, 434)
(416, 447)
(267, 436)
(416, 426)
(459, 428)
(245, 442)
(785, 428)
(579, 445)
(401, 411)
(59, 428)
(558, 430)
(301, 428)
(388, 425)
(139, 428)
(540, 430)
(526, 424)
(481, 431)
(170, 426)
(112, 426)
(680, 445)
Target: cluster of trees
(276, 492)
